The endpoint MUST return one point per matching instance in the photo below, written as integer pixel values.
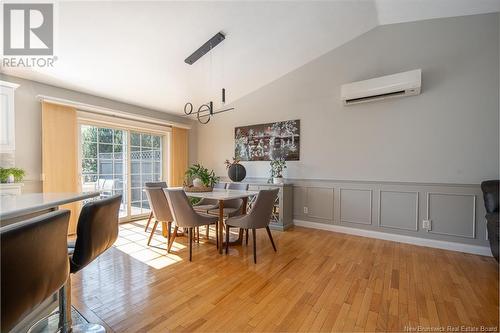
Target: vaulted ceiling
(134, 51)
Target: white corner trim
(9, 84)
(438, 244)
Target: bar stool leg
(65, 307)
(65, 322)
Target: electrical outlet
(306, 210)
(427, 225)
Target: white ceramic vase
(197, 182)
(278, 180)
(10, 178)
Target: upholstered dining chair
(160, 209)
(204, 205)
(231, 207)
(153, 184)
(258, 218)
(185, 216)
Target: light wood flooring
(318, 281)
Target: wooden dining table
(222, 195)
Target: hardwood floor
(318, 281)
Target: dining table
(222, 195)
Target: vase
(236, 172)
(197, 182)
(10, 178)
(278, 180)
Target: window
(118, 161)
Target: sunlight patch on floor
(132, 240)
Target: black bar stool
(96, 231)
(34, 264)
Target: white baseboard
(459, 247)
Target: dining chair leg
(172, 239)
(271, 237)
(217, 234)
(190, 234)
(246, 236)
(149, 221)
(198, 234)
(227, 238)
(169, 233)
(254, 246)
(152, 232)
(207, 231)
(221, 225)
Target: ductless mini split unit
(384, 87)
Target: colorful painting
(266, 142)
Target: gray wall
(448, 134)
(28, 153)
(386, 166)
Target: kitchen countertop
(12, 206)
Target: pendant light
(205, 112)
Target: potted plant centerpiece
(277, 167)
(199, 179)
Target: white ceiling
(134, 51)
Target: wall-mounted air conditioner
(389, 86)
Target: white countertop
(12, 206)
(10, 185)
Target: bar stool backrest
(97, 230)
(34, 265)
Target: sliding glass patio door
(120, 161)
(145, 166)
